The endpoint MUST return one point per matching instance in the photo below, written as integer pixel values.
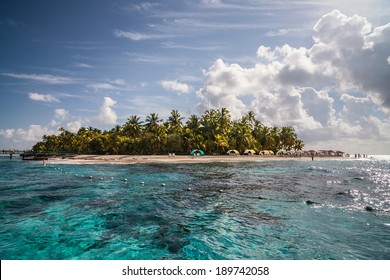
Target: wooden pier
(44, 155)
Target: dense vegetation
(214, 132)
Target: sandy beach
(132, 159)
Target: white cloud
(82, 65)
(354, 54)
(146, 6)
(102, 86)
(318, 104)
(136, 36)
(43, 97)
(171, 45)
(107, 114)
(44, 78)
(118, 82)
(175, 86)
(60, 114)
(7, 133)
(301, 86)
(33, 133)
(73, 126)
(279, 32)
(265, 53)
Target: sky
(322, 67)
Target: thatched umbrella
(233, 152)
(250, 152)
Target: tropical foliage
(214, 132)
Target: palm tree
(287, 137)
(66, 140)
(152, 122)
(192, 137)
(241, 137)
(264, 137)
(224, 121)
(251, 118)
(222, 143)
(209, 129)
(117, 130)
(52, 142)
(133, 127)
(276, 143)
(298, 145)
(155, 142)
(193, 123)
(174, 122)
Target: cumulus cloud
(7, 133)
(175, 86)
(32, 134)
(43, 97)
(354, 53)
(73, 126)
(107, 114)
(347, 64)
(60, 114)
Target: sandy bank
(131, 159)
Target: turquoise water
(252, 210)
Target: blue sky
(322, 67)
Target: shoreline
(134, 159)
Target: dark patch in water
(51, 198)
(311, 202)
(171, 237)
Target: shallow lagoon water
(245, 210)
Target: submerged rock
(310, 202)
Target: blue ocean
(283, 210)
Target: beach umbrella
(266, 152)
(281, 152)
(197, 152)
(299, 152)
(250, 152)
(309, 153)
(232, 152)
